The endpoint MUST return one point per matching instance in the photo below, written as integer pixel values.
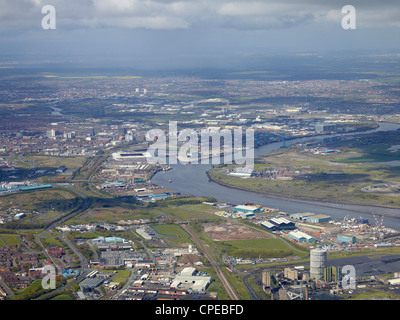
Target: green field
(191, 212)
(254, 248)
(173, 234)
(44, 161)
(373, 153)
(11, 239)
(63, 297)
(55, 199)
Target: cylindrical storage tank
(317, 263)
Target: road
(26, 161)
(83, 261)
(253, 294)
(6, 289)
(228, 288)
(85, 269)
(84, 206)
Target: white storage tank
(317, 263)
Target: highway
(83, 261)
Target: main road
(84, 269)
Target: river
(192, 179)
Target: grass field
(9, 239)
(192, 212)
(43, 161)
(173, 234)
(120, 276)
(114, 213)
(376, 152)
(63, 297)
(55, 199)
(215, 285)
(52, 241)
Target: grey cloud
(181, 14)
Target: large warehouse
(189, 281)
(301, 236)
(269, 226)
(247, 209)
(282, 223)
(310, 217)
(344, 238)
(275, 224)
(301, 216)
(318, 218)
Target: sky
(191, 32)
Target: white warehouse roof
(299, 234)
(267, 224)
(188, 271)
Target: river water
(191, 179)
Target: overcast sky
(192, 31)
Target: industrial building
(247, 209)
(282, 223)
(158, 196)
(105, 243)
(123, 258)
(301, 236)
(311, 217)
(189, 271)
(189, 281)
(332, 274)
(136, 155)
(247, 215)
(301, 216)
(325, 127)
(90, 283)
(25, 188)
(318, 218)
(269, 226)
(343, 238)
(275, 224)
(153, 197)
(295, 274)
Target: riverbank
(193, 180)
(393, 212)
